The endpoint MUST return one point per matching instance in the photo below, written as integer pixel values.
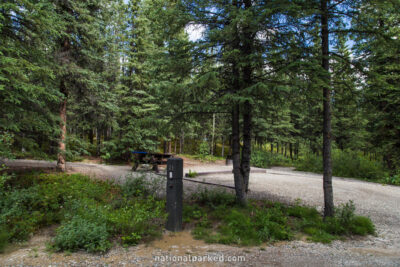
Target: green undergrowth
(203, 157)
(345, 164)
(91, 214)
(265, 159)
(192, 174)
(349, 164)
(216, 218)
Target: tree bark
(223, 146)
(327, 131)
(182, 148)
(246, 152)
(238, 178)
(91, 136)
(165, 147)
(285, 149)
(175, 145)
(213, 134)
(98, 141)
(61, 161)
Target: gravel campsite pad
(379, 202)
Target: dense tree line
(104, 78)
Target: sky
(194, 31)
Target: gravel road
(381, 203)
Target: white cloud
(195, 31)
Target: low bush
(142, 186)
(192, 174)
(203, 157)
(344, 223)
(204, 149)
(393, 179)
(91, 212)
(80, 233)
(4, 237)
(218, 219)
(266, 159)
(213, 198)
(76, 148)
(344, 164)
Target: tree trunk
(230, 145)
(165, 146)
(169, 146)
(175, 146)
(327, 131)
(238, 178)
(183, 143)
(91, 136)
(98, 141)
(272, 148)
(61, 161)
(246, 152)
(223, 146)
(213, 134)
(291, 151)
(180, 144)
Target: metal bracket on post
(174, 194)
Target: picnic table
(155, 159)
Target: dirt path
(380, 203)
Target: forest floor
(380, 202)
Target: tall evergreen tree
(79, 57)
(27, 95)
(378, 46)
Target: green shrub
(132, 239)
(393, 179)
(4, 237)
(318, 235)
(345, 164)
(192, 174)
(238, 229)
(191, 212)
(80, 233)
(134, 187)
(304, 212)
(76, 148)
(271, 224)
(214, 198)
(345, 222)
(4, 178)
(142, 186)
(204, 149)
(31, 201)
(6, 141)
(310, 163)
(361, 226)
(266, 159)
(142, 218)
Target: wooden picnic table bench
(155, 159)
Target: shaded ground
(381, 203)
